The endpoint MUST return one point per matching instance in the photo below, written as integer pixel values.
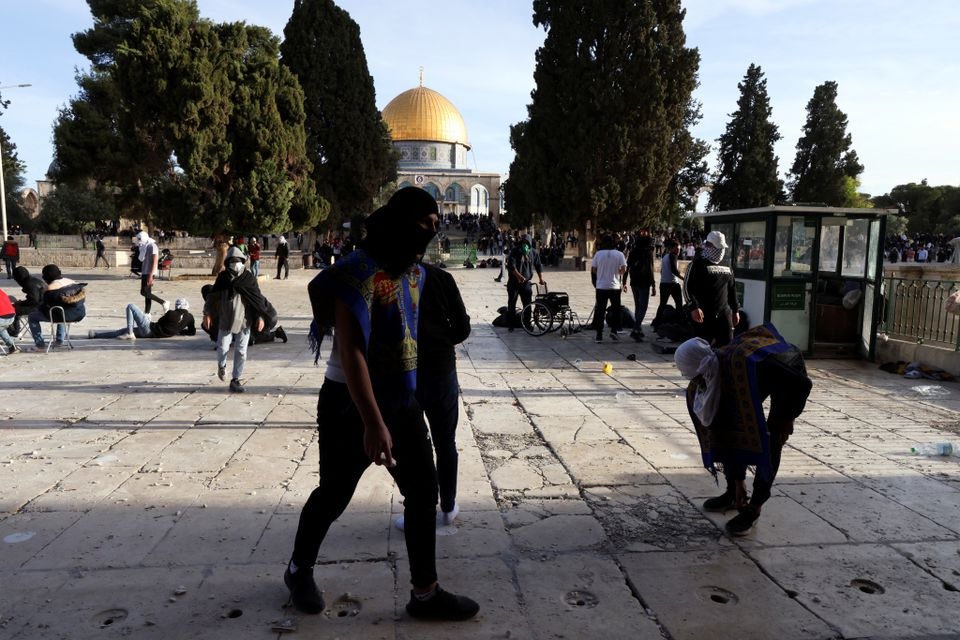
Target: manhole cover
(717, 595)
(867, 586)
(581, 599)
(110, 617)
(346, 606)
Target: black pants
(525, 291)
(282, 264)
(716, 327)
(670, 290)
(600, 311)
(343, 461)
(761, 486)
(146, 290)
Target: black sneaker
(721, 503)
(304, 593)
(442, 605)
(742, 523)
(280, 333)
(235, 386)
(222, 373)
(598, 339)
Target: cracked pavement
(140, 499)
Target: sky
(897, 65)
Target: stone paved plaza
(140, 499)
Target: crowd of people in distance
(923, 247)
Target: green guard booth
(814, 272)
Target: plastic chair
(58, 312)
(165, 265)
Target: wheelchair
(550, 311)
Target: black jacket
(710, 287)
(176, 322)
(443, 323)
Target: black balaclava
(394, 237)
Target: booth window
(750, 249)
(793, 248)
(726, 229)
(855, 248)
(829, 246)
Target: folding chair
(58, 312)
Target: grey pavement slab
(128, 472)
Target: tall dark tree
(201, 126)
(13, 180)
(685, 187)
(603, 136)
(928, 209)
(347, 140)
(746, 173)
(824, 156)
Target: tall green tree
(746, 173)
(72, 209)
(928, 209)
(824, 155)
(686, 184)
(208, 121)
(13, 180)
(602, 140)
(347, 140)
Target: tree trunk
(220, 254)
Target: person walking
(607, 269)
(283, 255)
(101, 251)
(367, 411)
(711, 293)
(149, 256)
(725, 399)
(443, 324)
(239, 307)
(640, 276)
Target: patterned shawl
(386, 310)
(739, 432)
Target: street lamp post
(3, 189)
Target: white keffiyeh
(695, 358)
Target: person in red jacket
(11, 255)
(7, 315)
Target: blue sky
(897, 65)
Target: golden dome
(424, 114)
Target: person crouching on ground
(239, 307)
(725, 399)
(176, 322)
(367, 411)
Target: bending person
(725, 398)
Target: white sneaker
(126, 336)
(166, 306)
(447, 517)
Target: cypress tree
(13, 181)
(603, 138)
(347, 140)
(747, 166)
(824, 158)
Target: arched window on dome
(453, 193)
(404, 185)
(433, 190)
(479, 200)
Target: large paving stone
(704, 594)
(582, 596)
(499, 418)
(864, 590)
(607, 463)
(865, 515)
(555, 534)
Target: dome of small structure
(424, 114)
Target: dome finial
(421, 76)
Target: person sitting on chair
(33, 288)
(176, 322)
(60, 292)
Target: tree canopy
(746, 173)
(824, 155)
(13, 180)
(928, 209)
(192, 124)
(604, 135)
(347, 140)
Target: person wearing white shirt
(607, 271)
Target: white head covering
(282, 240)
(182, 303)
(695, 358)
(144, 241)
